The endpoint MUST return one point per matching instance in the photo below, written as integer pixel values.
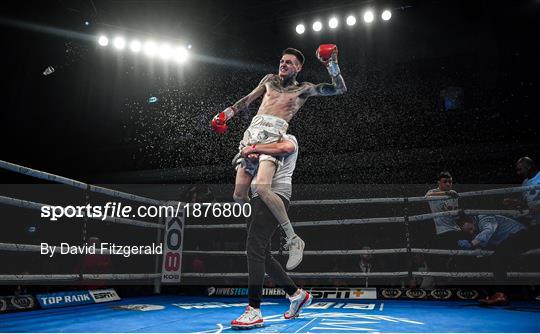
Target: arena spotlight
(351, 20)
(135, 46)
(368, 16)
(165, 51)
(150, 48)
(300, 29)
(333, 23)
(317, 26)
(386, 15)
(180, 54)
(119, 43)
(103, 40)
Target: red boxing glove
(327, 53)
(219, 122)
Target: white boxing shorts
(264, 129)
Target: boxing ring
(175, 314)
(212, 314)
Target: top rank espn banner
(73, 298)
(172, 252)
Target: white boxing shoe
(303, 299)
(251, 318)
(296, 252)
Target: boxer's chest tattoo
(275, 84)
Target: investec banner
(212, 291)
(319, 293)
(172, 252)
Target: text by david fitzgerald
(106, 249)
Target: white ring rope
(508, 213)
(498, 191)
(21, 203)
(422, 217)
(120, 276)
(37, 206)
(74, 183)
(149, 276)
(136, 198)
(31, 278)
(76, 277)
(402, 274)
(456, 252)
(81, 185)
(314, 275)
(36, 248)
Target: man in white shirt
(448, 232)
(262, 226)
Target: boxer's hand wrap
(219, 122)
(327, 54)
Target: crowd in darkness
(389, 127)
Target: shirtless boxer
(283, 97)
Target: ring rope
(456, 252)
(421, 217)
(498, 191)
(76, 277)
(374, 274)
(74, 183)
(36, 248)
(31, 278)
(60, 179)
(399, 274)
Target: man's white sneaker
(296, 252)
(302, 299)
(251, 318)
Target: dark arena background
(416, 191)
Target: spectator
(419, 264)
(506, 236)
(21, 289)
(367, 264)
(197, 264)
(94, 264)
(448, 233)
(526, 169)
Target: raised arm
(337, 87)
(219, 122)
(327, 54)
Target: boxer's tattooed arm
(244, 102)
(241, 104)
(337, 87)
